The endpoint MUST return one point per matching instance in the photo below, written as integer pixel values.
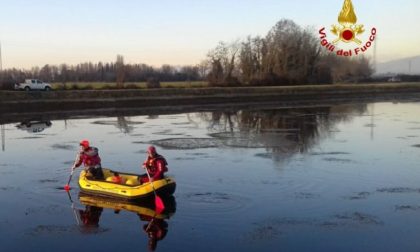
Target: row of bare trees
(288, 54)
(117, 72)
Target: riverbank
(69, 100)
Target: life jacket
(117, 179)
(151, 163)
(90, 157)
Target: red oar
(158, 201)
(67, 186)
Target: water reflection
(156, 230)
(154, 223)
(34, 126)
(89, 218)
(345, 185)
(123, 123)
(3, 137)
(282, 132)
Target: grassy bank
(128, 85)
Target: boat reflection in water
(155, 225)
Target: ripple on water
(262, 233)
(63, 230)
(329, 153)
(358, 196)
(215, 202)
(272, 227)
(29, 137)
(43, 181)
(109, 122)
(306, 195)
(47, 209)
(181, 123)
(339, 160)
(63, 146)
(370, 125)
(163, 132)
(398, 190)
(187, 143)
(198, 143)
(68, 162)
(9, 188)
(264, 155)
(407, 207)
(358, 218)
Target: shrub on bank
(153, 83)
(7, 86)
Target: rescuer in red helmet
(155, 164)
(89, 157)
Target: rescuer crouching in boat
(89, 157)
(155, 164)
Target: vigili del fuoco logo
(348, 32)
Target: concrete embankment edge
(15, 101)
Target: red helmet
(151, 150)
(84, 143)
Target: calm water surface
(339, 178)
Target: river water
(328, 178)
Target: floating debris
(407, 207)
(370, 125)
(63, 146)
(48, 180)
(359, 218)
(188, 143)
(305, 195)
(264, 155)
(268, 232)
(358, 196)
(398, 190)
(341, 160)
(329, 153)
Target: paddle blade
(159, 205)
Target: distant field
(111, 85)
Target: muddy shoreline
(15, 106)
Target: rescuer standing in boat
(89, 157)
(155, 164)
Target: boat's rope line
(115, 188)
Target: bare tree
(223, 64)
(120, 71)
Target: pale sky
(179, 32)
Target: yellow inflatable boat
(129, 188)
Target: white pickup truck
(33, 84)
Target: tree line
(287, 55)
(117, 72)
